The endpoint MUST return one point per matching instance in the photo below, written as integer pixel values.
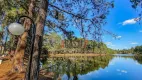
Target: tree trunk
(38, 38)
(20, 50)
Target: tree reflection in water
(138, 58)
(72, 66)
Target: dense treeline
(135, 50)
(55, 44)
(125, 51)
(138, 50)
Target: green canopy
(1, 29)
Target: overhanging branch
(68, 12)
(74, 15)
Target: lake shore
(76, 55)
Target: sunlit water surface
(117, 67)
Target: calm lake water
(116, 67)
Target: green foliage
(100, 47)
(52, 41)
(111, 51)
(138, 50)
(126, 51)
(137, 4)
(10, 10)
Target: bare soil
(5, 73)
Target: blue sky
(121, 22)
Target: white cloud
(133, 43)
(122, 71)
(130, 21)
(118, 37)
(109, 44)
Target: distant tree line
(138, 50)
(135, 50)
(125, 51)
(55, 44)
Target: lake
(114, 67)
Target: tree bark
(20, 50)
(38, 38)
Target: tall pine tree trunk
(38, 38)
(20, 50)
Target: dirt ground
(5, 74)
(5, 67)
